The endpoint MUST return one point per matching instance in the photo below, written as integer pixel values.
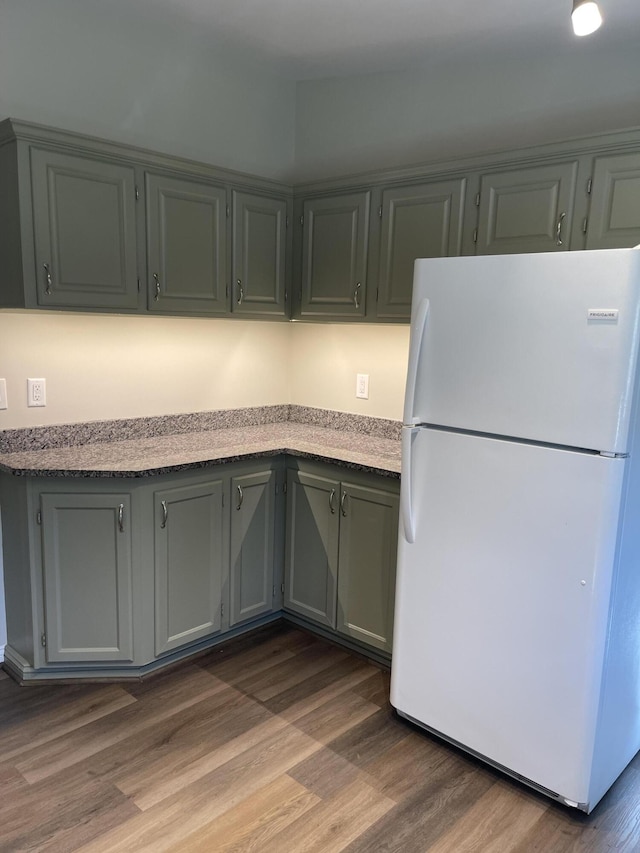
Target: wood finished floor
(276, 744)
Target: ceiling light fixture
(585, 17)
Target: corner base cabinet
(341, 551)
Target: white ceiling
(315, 38)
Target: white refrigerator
(517, 621)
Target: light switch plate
(3, 394)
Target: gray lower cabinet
(614, 217)
(311, 556)
(259, 283)
(84, 224)
(418, 221)
(87, 573)
(341, 552)
(334, 255)
(526, 210)
(189, 564)
(186, 246)
(367, 559)
(252, 564)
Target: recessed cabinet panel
(526, 210)
(252, 545)
(311, 565)
(614, 218)
(366, 577)
(86, 544)
(259, 254)
(188, 564)
(422, 221)
(334, 255)
(85, 231)
(186, 246)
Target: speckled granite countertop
(354, 447)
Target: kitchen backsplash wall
(103, 367)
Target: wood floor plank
(63, 718)
(364, 743)
(333, 718)
(329, 826)
(163, 825)
(51, 757)
(497, 821)
(376, 688)
(253, 822)
(326, 773)
(305, 664)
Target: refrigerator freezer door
(540, 347)
(502, 601)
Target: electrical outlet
(3, 394)
(36, 392)
(362, 386)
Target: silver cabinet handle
(48, 280)
(156, 279)
(165, 514)
(240, 497)
(121, 518)
(343, 509)
(561, 219)
(240, 292)
(356, 294)
(331, 500)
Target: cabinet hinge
(228, 211)
(589, 185)
(222, 609)
(302, 220)
(38, 517)
(138, 285)
(286, 222)
(380, 212)
(585, 221)
(478, 200)
(43, 641)
(223, 500)
(286, 296)
(226, 291)
(137, 194)
(284, 488)
(282, 588)
(274, 593)
(475, 235)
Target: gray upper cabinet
(186, 246)
(334, 255)
(367, 569)
(614, 218)
(189, 548)
(418, 221)
(84, 225)
(252, 545)
(311, 562)
(86, 552)
(526, 210)
(259, 284)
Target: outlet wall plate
(36, 392)
(362, 386)
(4, 404)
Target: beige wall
(326, 358)
(99, 367)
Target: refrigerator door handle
(406, 490)
(415, 344)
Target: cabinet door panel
(334, 255)
(259, 254)
(366, 578)
(312, 547)
(186, 236)
(85, 231)
(252, 545)
(528, 210)
(86, 543)
(188, 564)
(614, 219)
(422, 221)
